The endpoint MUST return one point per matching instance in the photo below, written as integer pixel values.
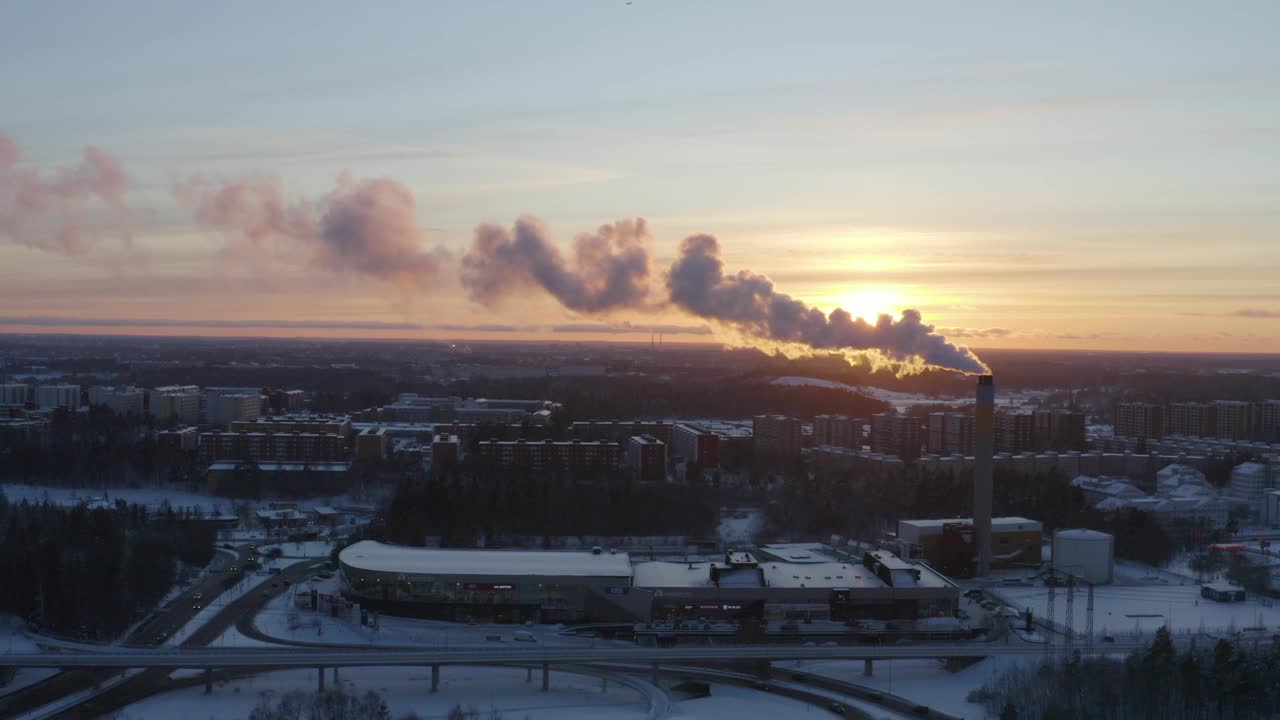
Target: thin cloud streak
(49, 321)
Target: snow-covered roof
(378, 557)
(1000, 523)
(1081, 534)
(663, 574)
(828, 574)
(1249, 468)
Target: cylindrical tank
(1089, 555)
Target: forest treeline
(91, 573)
(1224, 679)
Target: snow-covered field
(1123, 609)
(571, 697)
(153, 498)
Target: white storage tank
(1089, 555)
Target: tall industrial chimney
(984, 430)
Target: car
(524, 636)
(761, 686)
(874, 697)
(810, 644)
(831, 643)
(921, 710)
(837, 708)
(325, 575)
(1108, 638)
(962, 615)
(161, 637)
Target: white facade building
(54, 396)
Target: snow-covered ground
(1125, 609)
(152, 497)
(13, 640)
(927, 682)
(730, 702)
(305, 549)
(571, 697)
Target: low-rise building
(948, 543)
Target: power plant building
(949, 543)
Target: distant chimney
(984, 437)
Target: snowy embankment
(14, 640)
(571, 697)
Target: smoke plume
(61, 212)
(748, 303)
(365, 226)
(610, 269)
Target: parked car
(837, 708)
(524, 636)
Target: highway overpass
(372, 657)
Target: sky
(1084, 175)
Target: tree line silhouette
(92, 572)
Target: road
(156, 678)
(152, 632)
(188, 657)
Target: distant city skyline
(1025, 177)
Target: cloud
(50, 321)
(67, 211)
(626, 327)
(1250, 313)
(984, 333)
(369, 227)
(484, 328)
